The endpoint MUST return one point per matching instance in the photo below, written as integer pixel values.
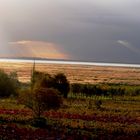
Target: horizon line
(74, 62)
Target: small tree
(62, 84)
(45, 99)
(40, 99)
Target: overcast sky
(86, 30)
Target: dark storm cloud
(87, 30)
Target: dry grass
(78, 73)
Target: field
(78, 73)
(118, 118)
(79, 117)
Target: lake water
(72, 62)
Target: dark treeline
(103, 90)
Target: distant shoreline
(68, 62)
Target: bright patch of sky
(89, 30)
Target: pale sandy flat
(77, 73)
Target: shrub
(136, 92)
(62, 84)
(42, 79)
(8, 84)
(59, 82)
(98, 104)
(41, 99)
(26, 98)
(45, 99)
(76, 88)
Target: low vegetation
(52, 108)
(8, 84)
